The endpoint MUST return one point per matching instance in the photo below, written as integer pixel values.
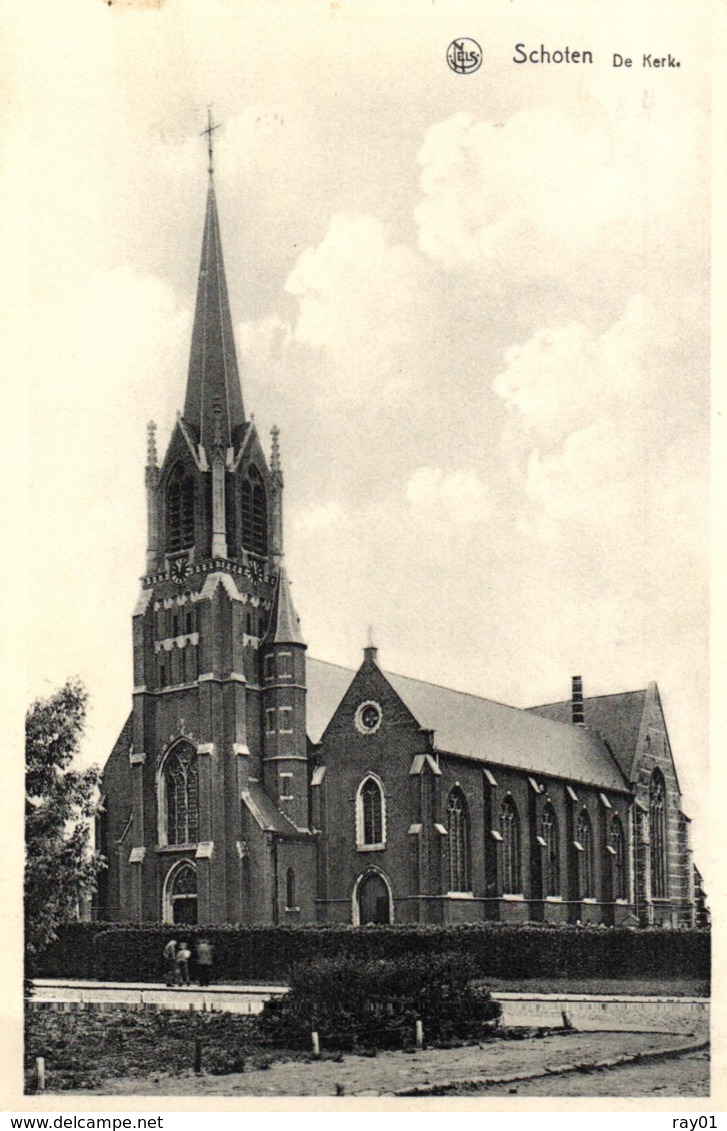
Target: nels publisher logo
(464, 56)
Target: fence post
(40, 1070)
(315, 1043)
(419, 1033)
(198, 1056)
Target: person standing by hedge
(183, 956)
(170, 962)
(204, 962)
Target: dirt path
(680, 1076)
(393, 1072)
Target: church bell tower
(218, 757)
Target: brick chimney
(577, 701)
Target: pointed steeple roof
(213, 371)
(284, 624)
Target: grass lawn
(668, 987)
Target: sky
(477, 307)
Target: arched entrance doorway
(180, 895)
(372, 902)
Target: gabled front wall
(654, 752)
(415, 859)
(348, 757)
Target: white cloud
(360, 302)
(459, 497)
(566, 377)
(550, 193)
(604, 480)
(529, 195)
(321, 519)
(262, 344)
(108, 358)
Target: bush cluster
(377, 1002)
(134, 953)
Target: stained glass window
(551, 853)
(181, 782)
(657, 821)
(372, 812)
(457, 827)
(510, 832)
(584, 836)
(618, 844)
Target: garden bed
(81, 1050)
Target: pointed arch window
(618, 858)
(179, 796)
(180, 510)
(254, 513)
(584, 837)
(510, 833)
(551, 852)
(657, 822)
(231, 505)
(290, 893)
(458, 840)
(370, 814)
(180, 894)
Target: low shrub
(376, 1003)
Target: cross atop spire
(211, 127)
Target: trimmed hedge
(73, 954)
(130, 953)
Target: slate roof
(284, 622)
(616, 717)
(327, 684)
(266, 813)
(213, 374)
(477, 728)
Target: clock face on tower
(178, 569)
(256, 572)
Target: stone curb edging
(559, 1070)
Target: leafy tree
(60, 865)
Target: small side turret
(285, 744)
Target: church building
(253, 784)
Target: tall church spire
(213, 370)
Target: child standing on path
(183, 956)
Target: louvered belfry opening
(254, 514)
(180, 510)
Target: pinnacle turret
(284, 622)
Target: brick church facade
(252, 784)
